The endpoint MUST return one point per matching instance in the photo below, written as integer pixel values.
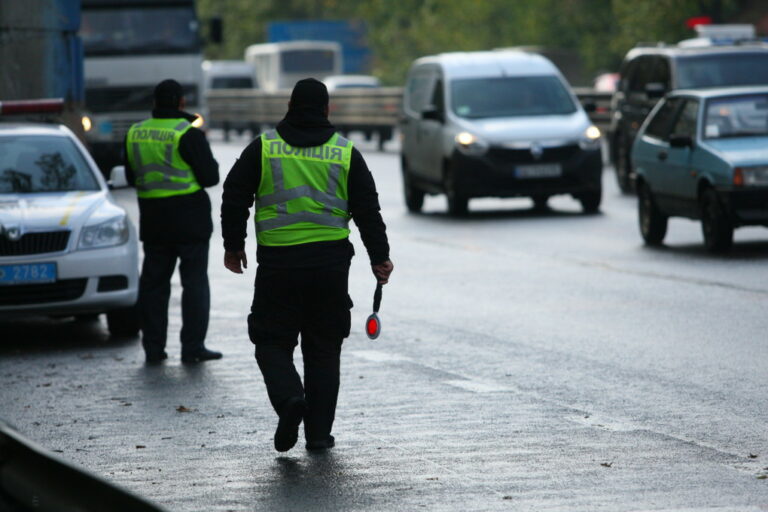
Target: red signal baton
(373, 323)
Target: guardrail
(33, 479)
(375, 110)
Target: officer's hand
(382, 271)
(232, 261)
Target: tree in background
(600, 32)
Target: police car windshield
(725, 69)
(476, 98)
(737, 116)
(40, 163)
(135, 30)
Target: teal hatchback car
(704, 155)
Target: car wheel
(540, 202)
(590, 201)
(653, 223)
(623, 165)
(414, 197)
(123, 322)
(458, 204)
(715, 225)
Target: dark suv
(649, 72)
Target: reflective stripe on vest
(153, 152)
(302, 195)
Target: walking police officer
(170, 162)
(308, 182)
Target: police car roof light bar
(16, 107)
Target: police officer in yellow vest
(170, 163)
(307, 182)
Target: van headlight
(591, 138)
(470, 144)
(105, 234)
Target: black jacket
(302, 129)
(186, 218)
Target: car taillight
(738, 177)
(31, 106)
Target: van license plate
(538, 171)
(28, 273)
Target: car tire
(414, 197)
(623, 165)
(715, 225)
(652, 222)
(124, 322)
(458, 204)
(590, 201)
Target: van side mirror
(655, 89)
(117, 177)
(216, 30)
(680, 141)
(433, 114)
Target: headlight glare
(106, 234)
(87, 123)
(470, 144)
(199, 120)
(591, 138)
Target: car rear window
(724, 69)
(42, 163)
(737, 116)
(510, 96)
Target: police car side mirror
(117, 177)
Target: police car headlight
(470, 144)
(591, 138)
(105, 234)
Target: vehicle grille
(116, 99)
(64, 290)
(35, 243)
(524, 156)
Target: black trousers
(313, 303)
(155, 292)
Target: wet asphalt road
(528, 361)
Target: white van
(280, 65)
(228, 74)
(496, 124)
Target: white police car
(66, 247)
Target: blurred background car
(335, 82)
(649, 71)
(66, 247)
(704, 155)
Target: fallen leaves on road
(752, 456)
(762, 477)
(181, 408)
(140, 446)
(606, 464)
(433, 478)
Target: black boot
(287, 432)
(199, 355)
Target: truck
(130, 46)
(278, 66)
(41, 55)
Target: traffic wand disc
(373, 323)
(373, 326)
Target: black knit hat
(309, 94)
(168, 94)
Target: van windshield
(476, 98)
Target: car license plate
(538, 171)
(27, 273)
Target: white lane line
(477, 386)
